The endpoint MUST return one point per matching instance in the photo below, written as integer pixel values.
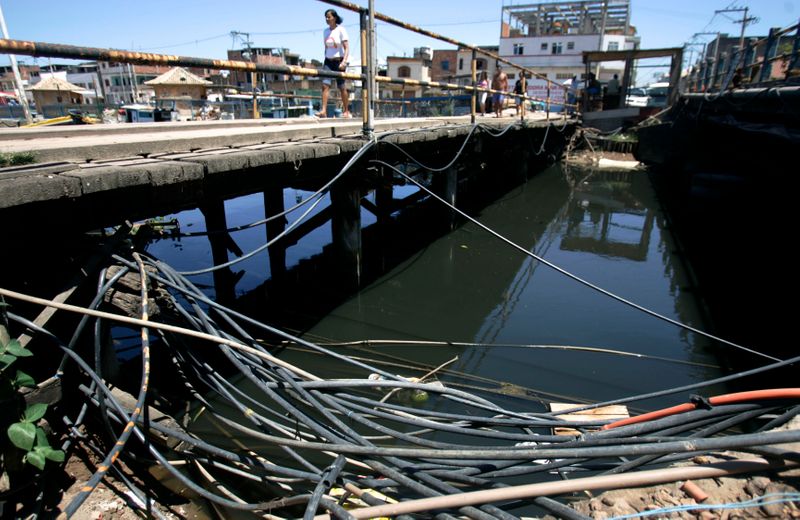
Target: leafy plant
(16, 158)
(24, 434)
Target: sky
(201, 28)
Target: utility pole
(252, 58)
(17, 78)
(744, 21)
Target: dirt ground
(719, 490)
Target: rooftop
(581, 17)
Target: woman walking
(483, 83)
(337, 51)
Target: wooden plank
(604, 413)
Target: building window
(556, 48)
(445, 65)
(480, 64)
(404, 72)
(519, 49)
(570, 46)
(613, 46)
(544, 47)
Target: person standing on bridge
(337, 51)
(499, 82)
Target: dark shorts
(498, 98)
(332, 64)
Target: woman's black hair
(335, 16)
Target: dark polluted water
(489, 310)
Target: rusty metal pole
(547, 105)
(474, 100)
(255, 96)
(372, 92)
(365, 86)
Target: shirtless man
(499, 82)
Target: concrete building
(551, 37)
(455, 66)
(417, 67)
(28, 73)
(443, 65)
(261, 55)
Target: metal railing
(368, 75)
(718, 72)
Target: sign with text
(537, 88)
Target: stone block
(265, 156)
(37, 188)
(109, 178)
(216, 163)
(174, 172)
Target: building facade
(417, 68)
(550, 38)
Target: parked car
(637, 97)
(657, 92)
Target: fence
(368, 76)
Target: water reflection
(469, 287)
(606, 219)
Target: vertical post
(547, 104)
(769, 52)
(523, 101)
(450, 191)
(273, 205)
(717, 66)
(675, 76)
(719, 70)
(346, 231)
(585, 94)
(102, 85)
(372, 92)
(17, 78)
(363, 25)
(730, 66)
(474, 100)
(749, 57)
(626, 80)
(255, 96)
(224, 281)
(741, 37)
(794, 62)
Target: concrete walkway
(103, 142)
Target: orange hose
(737, 397)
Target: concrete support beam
(346, 231)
